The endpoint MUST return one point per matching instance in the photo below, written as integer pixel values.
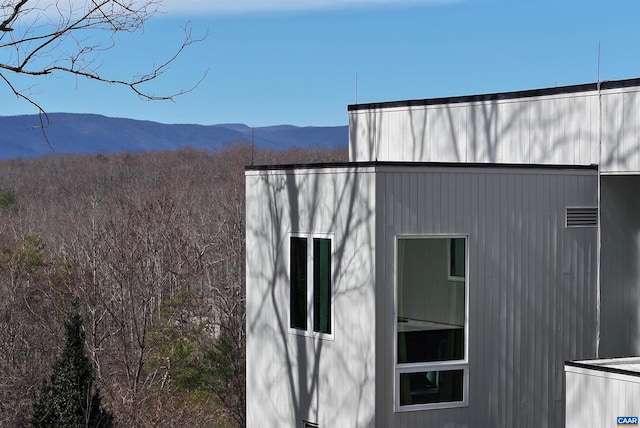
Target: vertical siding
(531, 295)
(620, 122)
(596, 398)
(547, 130)
(292, 377)
(557, 129)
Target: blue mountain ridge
(23, 136)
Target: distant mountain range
(22, 136)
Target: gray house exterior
(444, 274)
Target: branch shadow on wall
(314, 374)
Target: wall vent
(582, 217)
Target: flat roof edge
(368, 164)
(320, 165)
(584, 87)
(601, 368)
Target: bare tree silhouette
(55, 37)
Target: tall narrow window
(298, 300)
(311, 303)
(431, 355)
(456, 259)
(322, 285)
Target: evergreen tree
(70, 398)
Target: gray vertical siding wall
(561, 129)
(290, 377)
(620, 272)
(532, 285)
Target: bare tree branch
(66, 37)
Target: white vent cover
(582, 217)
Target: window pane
(456, 258)
(322, 285)
(431, 306)
(298, 290)
(431, 387)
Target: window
(456, 259)
(310, 303)
(299, 283)
(431, 326)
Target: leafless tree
(67, 37)
(152, 245)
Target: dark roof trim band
(601, 368)
(328, 165)
(585, 87)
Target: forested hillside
(151, 247)
(34, 135)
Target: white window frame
(309, 331)
(462, 364)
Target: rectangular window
(432, 387)
(310, 304)
(298, 283)
(431, 327)
(322, 285)
(456, 259)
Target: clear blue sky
(294, 62)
